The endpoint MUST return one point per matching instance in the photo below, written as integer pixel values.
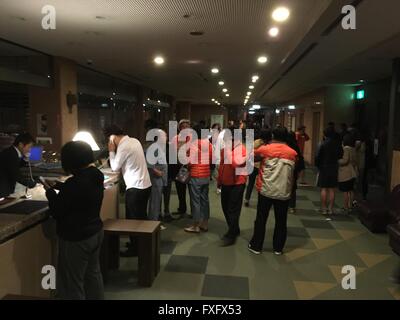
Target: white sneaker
(162, 228)
(278, 253)
(253, 251)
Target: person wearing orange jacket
(232, 178)
(200, 157)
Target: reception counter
(28, 241)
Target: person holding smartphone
(76, 209)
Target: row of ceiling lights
(221, 83)
(280, 14)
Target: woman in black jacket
(326, 160)
(76, 209)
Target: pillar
(62, 122)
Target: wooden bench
(147, 234)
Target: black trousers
(167, 197)
(251, 183)
(280, 232)
(78, 270)
(181, 190)
(136, 201)
(293, 196)
(231, 201)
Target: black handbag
(183, 175)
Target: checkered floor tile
(196, 267)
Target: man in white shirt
(127, 156)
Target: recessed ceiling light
(227, 95)
(215, 70)
(256, 107)
(221, 83)
(225, 90)
(249, 93)
(252, 112)
(159, 60)
(262, 59)
(197, 33)
(212, 100)
(277, 111)
(251, 87)
(273, 32)
(281, 14)
(255, 77)
(194, 62)
(292, 107)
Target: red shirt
(227, 174)
(301, 140)
(200, 157)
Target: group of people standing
(277, 165)
(343, 158)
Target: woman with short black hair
(76, 209)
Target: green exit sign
(360, 94)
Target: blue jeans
(199, 203)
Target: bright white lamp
(88, 138)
